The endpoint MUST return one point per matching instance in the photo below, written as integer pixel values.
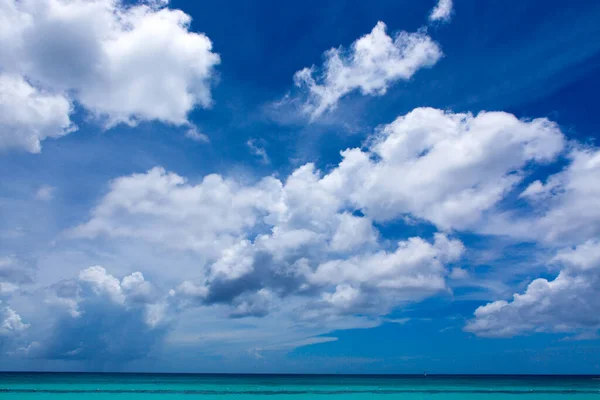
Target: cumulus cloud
(415, 263)
(123, 63)
(100, 318)
(442, 11)
(569, 303)
(375, 283)
(443, 167)
(163, 208)
(373, 63)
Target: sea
(246, 387)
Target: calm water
(245, 387)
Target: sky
(350, 187)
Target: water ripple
(299, 392)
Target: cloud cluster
(304, 255)
(307, 249)
(270, 240)
(313, 235)
(123, 63)
(373, 63)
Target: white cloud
(353, 233)
(415, 264)
(164, 209)
(123, 63)
(376, 283)
(45, 193)
(442, 11)
(373, 63)
(196, 135)
(29, 115)
(459, 274)
(443, 167)
(102, 283)
(564, 208)
(258, 151)
(567, 304)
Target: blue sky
(292, 187)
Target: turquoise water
(246, 387)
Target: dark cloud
(103, 320)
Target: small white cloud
(196, 136)
(258, 151)
(45, 193)
(373, 63)
(459, 273)
(442, 11)
(399, 321)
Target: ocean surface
(245, 387)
